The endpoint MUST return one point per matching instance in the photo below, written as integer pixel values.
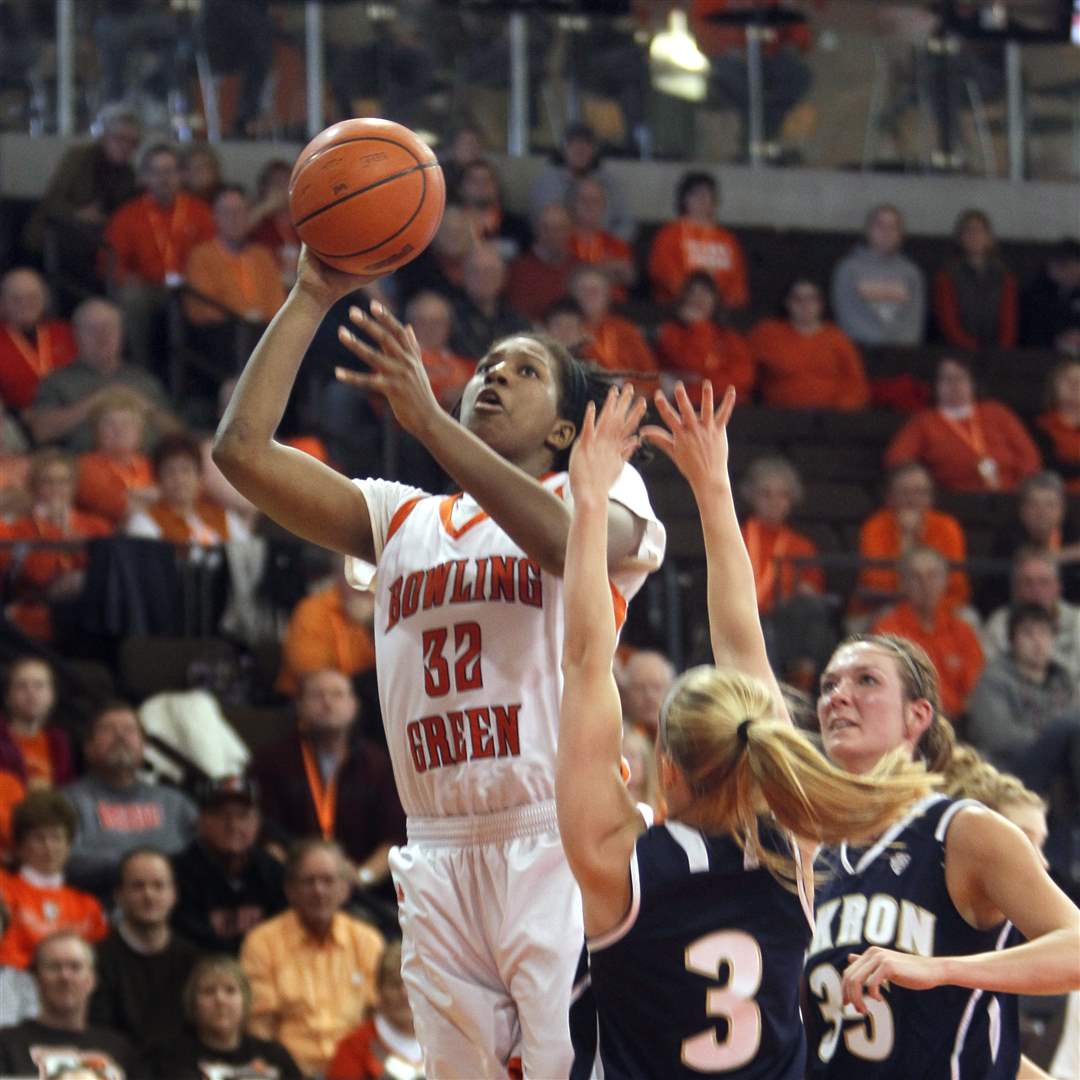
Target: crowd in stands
(257, 906)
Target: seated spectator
(804, 362)
(640, 758)
(908, 520)
(182, 515)
(591, 243)
(320, 781)
(878, 293)
(1050, 306)
(440, 267)
(200, 170)
(142, 965)
(579, 160)
(538, 277)
(697, 345)
(384, 1046)
(463, 146)
(31, 345)
(39, 900)
(611, 341)
(60, 1042)
(1021, 692)
(216, 1011)
(1036, 579)
(330, 629)
(565, 322)
(116, 811)
(18, 991)
(482, 315)
(644, 681)
(966, 444)
(1058, 429)
(49, 577)
(115, 478)
(227, 884)
(270, 222)
(695, 242)
(67, 400)
(312, 969)
(432, 318)
(148, 241)
(479, 196)
(33, 749)
(975, 296)
(925, 617)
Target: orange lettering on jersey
(483, 745)
(416, 746)
(462, 593)
(435, 585)
(394, 613)
(435, 737)
(481, 576)
(457, 734)
(530, 588)
(410, 597)
(506, 730)
(464, 735)
(502, 577)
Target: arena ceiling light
(677, 65)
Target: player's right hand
(605, 444)
(322, 282)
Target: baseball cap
(214, 792)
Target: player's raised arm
(301, 494)
(597, 818)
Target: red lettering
(483, 745)
(437, 747)
(481, 577)
(129, 817)
(530, 587)
(395, 605)
(462, 593)
(416, 746)
(436, 669)
(502, 577)
(506, 729)
(411, 598)
(435, 585)
(457, 735)
(467, 672)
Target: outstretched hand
(606, 443)
(321, 281)
(697, 444)
(397, 368)
(869, 972)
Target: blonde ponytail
(971, 777)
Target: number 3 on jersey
(439, 679)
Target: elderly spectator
(591, 243)
(1050, 307)
(696, 242)
(909, 520)
(320, 781)
(142, 965)
(67, 400)
(385, 1045)
(330, 629)
(697, 345)
(539, 276)
(644, 682)
(39, 900)
(613, 342)
(924, 616)
(33, 749)
(312, 969)
(482, 315)
(878, 293)
(31, 344)
(227, 884)
(804, 362)
(431, 316)
(115, 478)
(479, 196)
(216, 1010)
(60, 1042)
(182, 515)
(967, 444)
(18, 991)
(976, 297)
(1058, 429)
(1036, 579)
(200, 170)
(117, 812)
(1022, 691)
(49, 577)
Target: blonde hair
(739, 759)
(970, 776)
(219, 964)
(119, 400)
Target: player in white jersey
(468, 640)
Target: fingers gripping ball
(366, 196)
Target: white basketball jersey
(468, 639)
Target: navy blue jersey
(702, 976)
(894, 894)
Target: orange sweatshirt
(684, 246)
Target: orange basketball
(366, 196)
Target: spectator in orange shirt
(695, 345)
(804, 362)
(33, 750)
(925, 617)
(432, 319)
(613, 342)
(591, 243)
(270, 220)
(31, 345)
(696, 242)
(1058, 429)
(967, 445)
(12, 792)
(908, 520)
(116, 478)
(43, 827)
(539, 277)
(976, 298)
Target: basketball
(366, 196)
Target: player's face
(862, 709)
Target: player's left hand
(868, 972)
(397, 369)
(606, 443)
